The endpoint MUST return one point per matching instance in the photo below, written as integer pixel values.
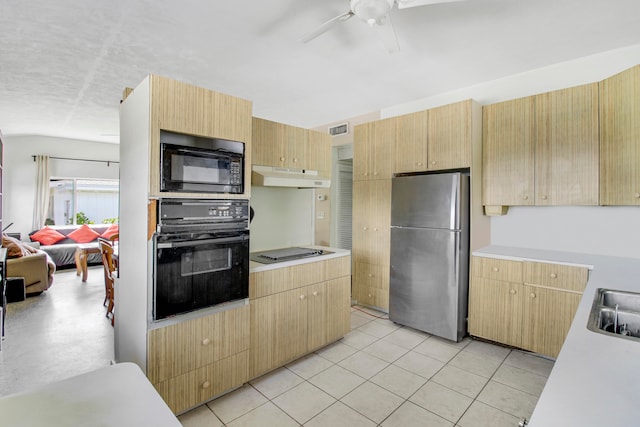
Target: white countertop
(117, 395)
(255, 267)
(596, 378)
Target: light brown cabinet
(280, 145)
(298, 309)
(371, 233)
(374, 149)
(524, 304)
(435, 139)
(620, 139)
(542, 150)
(193, 361)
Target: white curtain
(41, 202)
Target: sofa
(34, 265)
(61, 242)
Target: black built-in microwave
(194, 164)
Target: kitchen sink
(616, 313)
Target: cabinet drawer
(197, 386)
(496, 269)
(338, 267)
(284, 279)
(184, 347)
(567, 277)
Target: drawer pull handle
(301, 297)
(206, 384)
(206, 341)
(513, 292)
(554, 275)
(637, 195)
(544, 197)
(525, 197)
(282, 159)
(315, 293)
(496, 269)
(533, 295)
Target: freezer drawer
(429, 281)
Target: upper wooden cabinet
(620, 138)
(567, 146)
(374, 149)
(543, 149)
(281, 145)
(439, 138)
(507, 152)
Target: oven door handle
(166, 245)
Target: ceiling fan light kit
(371, 11)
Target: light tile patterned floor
(382, 374)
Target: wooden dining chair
(106, 249)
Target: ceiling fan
(376, 14)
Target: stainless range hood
(269, 176)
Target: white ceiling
(64, 63)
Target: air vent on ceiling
(339, 129)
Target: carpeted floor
(61, 333)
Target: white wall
(283, 217)
(20, 171)
(600, 230)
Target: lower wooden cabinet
(288, 324)
(524, 304)
(193, 361)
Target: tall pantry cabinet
(187, 358)
(442, 138)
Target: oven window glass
(206, 261)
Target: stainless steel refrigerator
(429, 277)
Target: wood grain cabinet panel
(319, 152)
(567, 147)
(374, 149)
(525, 304)
(508, 153)
(547, 317)
(309, 310)
(371, 239)
(449, 136)
(411, 142)
(495, 310)
(620, 139)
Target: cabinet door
(177, 349)
(296, 147)
(449, 136)
(372, 220)
(508, 153)
(495, 310)
(319, 152)
(411, 142)
(268, 143)
(278, 330)
(316, 296)
(371, 284)
(567, 147)
(374, 150)
(547, 318)
(338, 308)
(619, 136)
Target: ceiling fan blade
(387, 34)
(405, 4)
(326, 27)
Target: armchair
(36, 270)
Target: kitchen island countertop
(255, 267)
(596, 378)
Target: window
(83, 201)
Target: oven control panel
(192, 210)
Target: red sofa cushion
(84, 234)
(47, 236)
(113, 229)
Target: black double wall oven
(201, 253)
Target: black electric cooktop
(286, 254)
